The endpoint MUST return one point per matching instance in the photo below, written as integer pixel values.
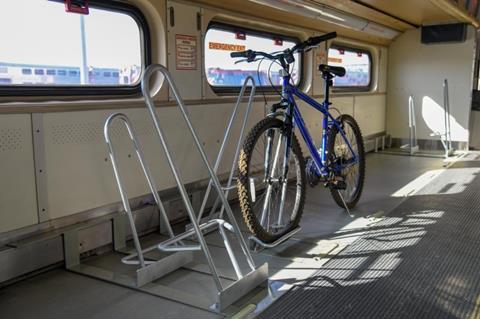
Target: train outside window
(221, 70)
(111, 39)
(357, 63)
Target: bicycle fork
(271, 169)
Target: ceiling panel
(366, 12)
(417, 12)
(251, 9)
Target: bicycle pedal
(338, 185)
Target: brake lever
(241, 61)
(247, 60)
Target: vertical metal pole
(410, 101)
(448, 117)
(412, 125)
(240, 139)
(83, 66)
(225, 139)
(446, 109)
(123, 195)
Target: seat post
(328, 82)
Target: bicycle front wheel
(261, 185)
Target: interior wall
(68, 160)
(419, 69)
(18, 202)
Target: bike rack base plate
(241, 287)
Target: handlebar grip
(313, 41)
(240, 54)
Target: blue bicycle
(273, 173)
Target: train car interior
(239, 159)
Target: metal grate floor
(422, 261)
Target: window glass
(357, 63)
(221, 69)
(49, 41)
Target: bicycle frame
(289, 92)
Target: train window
(110, 39)
(224, 75)
(358, 64)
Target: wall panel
(419, 70)
(78, 176)
(18, 204)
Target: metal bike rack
(257, 243)
(182, 253)
(226, 137)
(412, 147)
(446, 136)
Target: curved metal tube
(151, 107)
(151, 181)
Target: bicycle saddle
(336, 70)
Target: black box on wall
(442, 33)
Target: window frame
(365, 88)
(229, 90)
(94, 90)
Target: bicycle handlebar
(311, 42)
(314, 41)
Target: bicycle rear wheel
(261, 182)
(342, 164)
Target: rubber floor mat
(422, 261)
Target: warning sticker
(186, 52)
